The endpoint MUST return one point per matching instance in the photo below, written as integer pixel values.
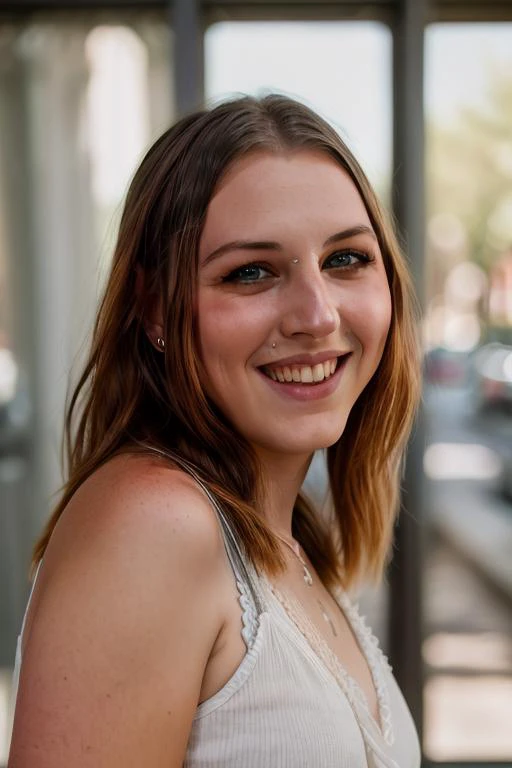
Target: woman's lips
(302, 374)
(305, 389)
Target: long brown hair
(131, 397)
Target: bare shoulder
(142, 498)
(135, 515)
(123, 622)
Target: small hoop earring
(160, 342)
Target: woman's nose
(309, 307)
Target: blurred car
(492, 376)
(445, 366)
(491, 385)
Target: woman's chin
(300, 443)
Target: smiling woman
(318, 294)
(191, 605)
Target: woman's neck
(283, 477)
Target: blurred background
(422, 92)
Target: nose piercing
(274, 345)
(295, 261)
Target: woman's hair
(131, 397)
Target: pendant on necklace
(307, 576)
(296, 551)
(327, 618)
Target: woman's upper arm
(121, 626)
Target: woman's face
(293, 305)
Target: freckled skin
(298, 200)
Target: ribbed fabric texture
(283, 708)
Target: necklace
(296, 551)
(295, 548)
(327, 618)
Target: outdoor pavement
(467, 584)
(465, 460)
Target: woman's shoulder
(124, 617)
(135, 525)
(145, 478)
(134, 499)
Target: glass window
(80, 100)
(341, 69)
(468, 335)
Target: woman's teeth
(303, 374)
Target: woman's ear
(151, 308)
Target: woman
(191, 608)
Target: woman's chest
(331, 635)
(312, 613)
(282, 709)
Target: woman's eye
(250, 273)
(348, 259)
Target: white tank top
(290, 703)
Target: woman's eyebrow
(271, 245)
(243, 245)
(359, 229)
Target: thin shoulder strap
(241, 568)
(30, 597)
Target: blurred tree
(469, 185)
(469, 171)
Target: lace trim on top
(369, 645)
(376, 659)
(250, 619)
(245, 579)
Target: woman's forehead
(267, 192)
